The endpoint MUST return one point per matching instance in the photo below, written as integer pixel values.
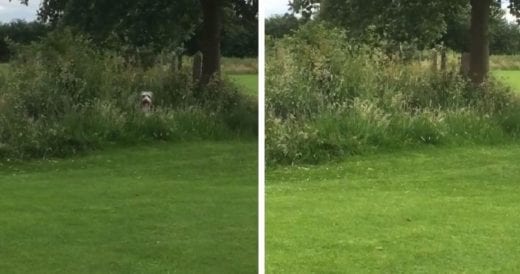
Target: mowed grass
(163, 208)
(451, 210)
(510, 77)
(248, 81)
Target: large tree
(480, 37)
(393, 22)
(479, 40)
(244, 12)
(406, 20)
(212, 11)
(155, 25)
(457, 35)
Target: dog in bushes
(146, 101)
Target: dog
(146, 101)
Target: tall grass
(232, 65)
(327, 98)
(4, 70)
(61, 97)
(229, 65)
(504, 62)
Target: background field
(248, 81)
(162, 208)
(231, 65)
(510, 77)
(450, 210)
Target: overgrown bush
(62, 96)
(327, 98)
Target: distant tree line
(19, 32)
(504, 35)
(140, 26)
(415, 23)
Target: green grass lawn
(248, 81)
(449, 210)
(163, 208)
(510, 77)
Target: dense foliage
(63, 95)
(240, 33)
(397, 23)
(146, 28)
(327, 98)
(281, 25)
(19, 32)
(155, 26)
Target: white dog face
(146, 101)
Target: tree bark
(479, 41)
(434, 60)
(464, 63)
(210, 40)
(179, 62)
(197, 67)
(444, 59)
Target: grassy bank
(448, 210)
(185, 208)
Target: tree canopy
(140, 25)
(21, 32)
(417, 22)
(392, 21)
(280, 25)
(156, 25)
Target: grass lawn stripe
(162, 208)
(449, 210)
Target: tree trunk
(479, 40)
(210, 40)
(434, 60)
(464, 63)
(179, 62)
(444, 59)
(197, 67)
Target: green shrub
(327, 98)
(62, 97)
